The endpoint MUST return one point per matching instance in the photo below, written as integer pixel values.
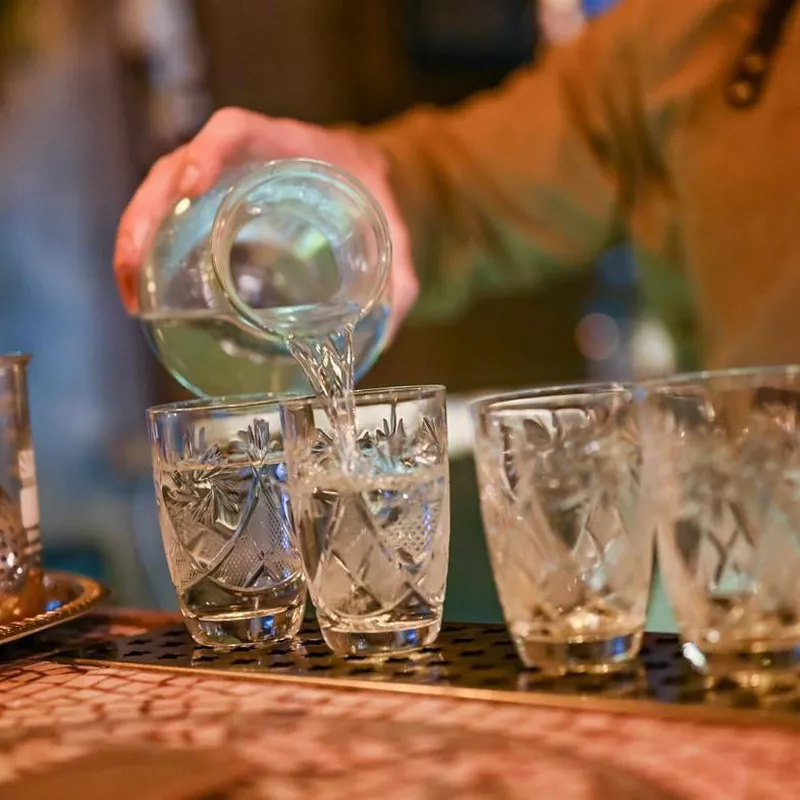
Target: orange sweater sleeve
(517, 184)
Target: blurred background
(93, 91)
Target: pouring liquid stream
(328, 364)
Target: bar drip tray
(476, 661)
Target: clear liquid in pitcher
(213, 355)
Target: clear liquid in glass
(227, 535)
(375, 548)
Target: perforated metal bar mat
(467, 660)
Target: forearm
(507, 190)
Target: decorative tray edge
(86, 595)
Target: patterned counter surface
(314, 741)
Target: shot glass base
(261, 628)
(591, 656)
(757, 669)
(380, 643)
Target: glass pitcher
(288, 248)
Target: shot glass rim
(742, 376)
(539, 395)
(367, 397)
(232, 403)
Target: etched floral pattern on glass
(726, 468)
(374, 531)
(568, 534)
(226, 522)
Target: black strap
(746, 83)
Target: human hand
(233, 136)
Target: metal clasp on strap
(748, 78)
